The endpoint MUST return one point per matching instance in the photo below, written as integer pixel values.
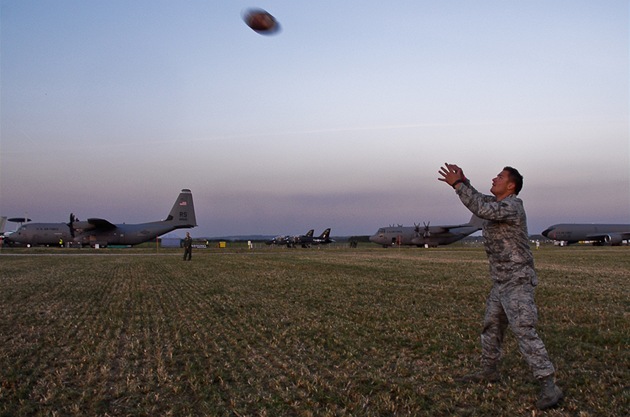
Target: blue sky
(342, 119)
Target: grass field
(275, 332)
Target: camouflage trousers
(512, 303)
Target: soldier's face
(502, 185)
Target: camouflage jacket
(505, 234)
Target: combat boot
(550, 393)
(487, 374)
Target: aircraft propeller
(426, 233)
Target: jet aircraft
(427, 236)
(286, 239)
(306, 241)
(102, 232)
(600, 234)
(302, 240)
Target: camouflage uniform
(188, 247)
(511, 299)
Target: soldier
(187, 247)
(511, 299)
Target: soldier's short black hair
(516, 178)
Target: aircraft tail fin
(476, 221)
(325, 234)
(3, 222)
(182, 214)
(310, 233)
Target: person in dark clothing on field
(511, 299)
(187, 247)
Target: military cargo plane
(599, 234)
(425, 236)
(101, 232)
(4, 235)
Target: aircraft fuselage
(612, 234)
(42, 234)
(56, 233)
(412, 236)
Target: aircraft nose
(549, 233)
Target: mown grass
(367, 332)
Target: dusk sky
(342, 119)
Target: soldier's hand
(461, 172)
(450, 174)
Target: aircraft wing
(447, 228)
(101, 224)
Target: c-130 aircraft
(100, 231)
(427, 236)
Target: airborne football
(261, 21)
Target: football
(261, 21)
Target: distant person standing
(187, 247)
(511, 299)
